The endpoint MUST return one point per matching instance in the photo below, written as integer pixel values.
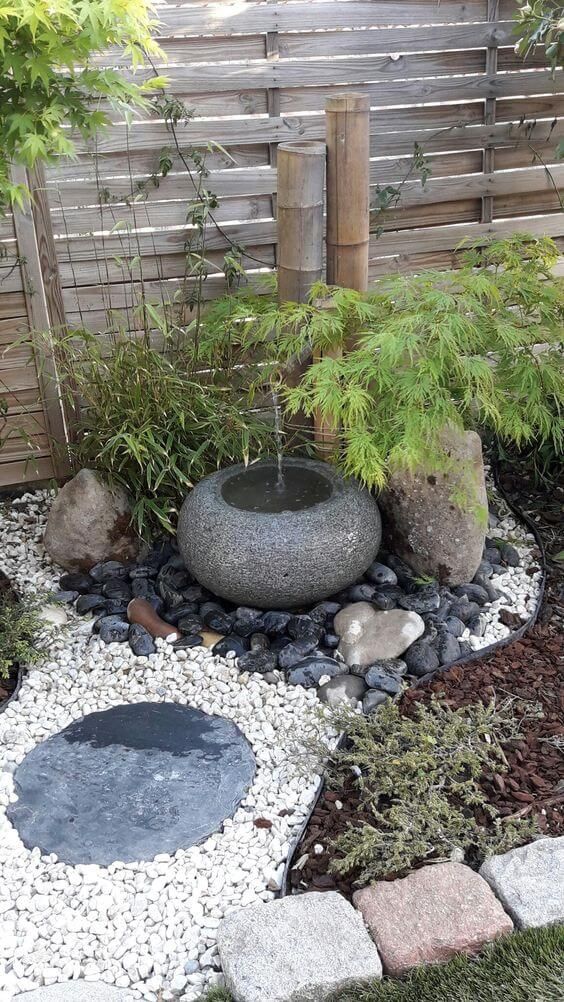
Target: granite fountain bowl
(257, 541)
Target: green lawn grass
(525, 967)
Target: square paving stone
(530, 882)
(430, 915)
(297, 949)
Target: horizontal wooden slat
(443, 238)
(25, 472)
(154, 268)
(232, 16)
(323, 72)
(12, 304)
(395, 40)
(23, 435)
(155, 214)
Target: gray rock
(373, 699)
(113, 630)
(231, 645)
(131, 782)
(299, 551)
(509, 555)
(477, 625)
(342, 689)
(88, 523)
(473, 592)
(447, 648)
(141, 641)
(384, 679)
(381, 575)
(420, 603)
(260, 661)
(294, 652)
(297, 949)
(77, 991)
(492, 555)
(425, 528)
(394, 666)
(464, 610)
(455, 626)
(367, 635)
(421, 658)
(530, 882)
(308, 671)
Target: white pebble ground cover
(149, 926)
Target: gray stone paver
(297, 949)
(529, 882)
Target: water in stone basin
(261, 489)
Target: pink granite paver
(430, 915)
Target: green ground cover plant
(417, 777)
(393, 368)
(155, 418)
(20, 627)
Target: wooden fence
(442, 75)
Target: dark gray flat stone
(131, 782)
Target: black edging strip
(484, 652)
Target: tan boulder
(424, 524)
(90, 522)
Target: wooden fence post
(45, 308)
(348, 212)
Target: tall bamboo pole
(301, 176)
(348, 211)
(301, 179)
(348, 177)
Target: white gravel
(151, 927)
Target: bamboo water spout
(301, 179)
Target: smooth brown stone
(142, 612)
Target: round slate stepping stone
(131, 782)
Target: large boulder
(423, 523)
(90, 522)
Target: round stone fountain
(278, 538)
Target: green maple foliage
(476, 347)
(50, 82)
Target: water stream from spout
(279, 439)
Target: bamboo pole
(301, 179)
(301, 176)
(348, 177)
(348, 213)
